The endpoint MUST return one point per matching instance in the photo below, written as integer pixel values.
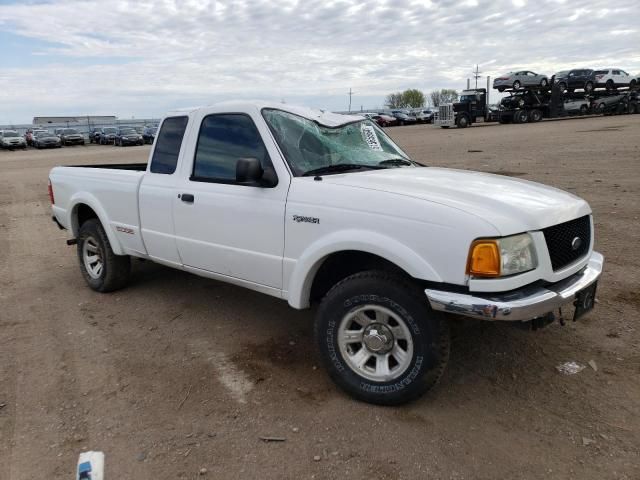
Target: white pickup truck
(319, 208)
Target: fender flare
(92, 202)
(306, 267)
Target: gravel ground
(177, 373)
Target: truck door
(222, 226)
(157, 192)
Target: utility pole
(476, 75)
(350, 95)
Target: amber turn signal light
(484, 259)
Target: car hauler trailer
(532, 105)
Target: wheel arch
(85, 207)
(347, 253)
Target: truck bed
(111, 191)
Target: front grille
(561, 241)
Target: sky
(141, 58)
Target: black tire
(602, 108)
(544, 82)
(609, 85)
(115, 268)
(517, 85)
(562, 86)
(584, 110)
(520, 116)
(462, 121)
(588, 87)
(535, 116)
(429, 332)
(501, 89)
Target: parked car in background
(423, 116)
(44, 139)
(71, 136)
(127, 136)
(385, 120)
(570, 80)
(149, 134)
(11, 139)
(611, 78)
(107, 135)
(517, 80)
(577, 106)
(403, 117)
(609, 104)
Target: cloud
(142, 57)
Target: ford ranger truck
(317, 208)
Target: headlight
(499, 257)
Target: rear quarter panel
(112, 194)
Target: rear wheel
(584, 110)
(588, 87)
(103, 270)
(609, 85)
(379, 340)
(516, 85)
(602, 108)
(544, 82)
(520, 116)
(535, 116)
(562, 86)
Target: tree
(435, 98)
(445, 95)
(394, 100)
(413, 98)
(410, 98)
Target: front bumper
(522, 304)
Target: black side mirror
(249, 171)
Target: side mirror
(249, 171)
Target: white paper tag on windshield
(369, 136)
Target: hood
(511, 205)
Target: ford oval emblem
(576, 243)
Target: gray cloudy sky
(140, 58)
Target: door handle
(186, 197)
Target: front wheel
(103, 270)
(588, 87)
(544, 82)
(379, 339)
(462, 121)
(516, 85)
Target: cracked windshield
(311, 148)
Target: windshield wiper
(339, 167)
(396, 162)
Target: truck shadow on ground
(268, 339)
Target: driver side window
(223, 140)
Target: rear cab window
(168, 143)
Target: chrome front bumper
(520, 305)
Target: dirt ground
(177, 373)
